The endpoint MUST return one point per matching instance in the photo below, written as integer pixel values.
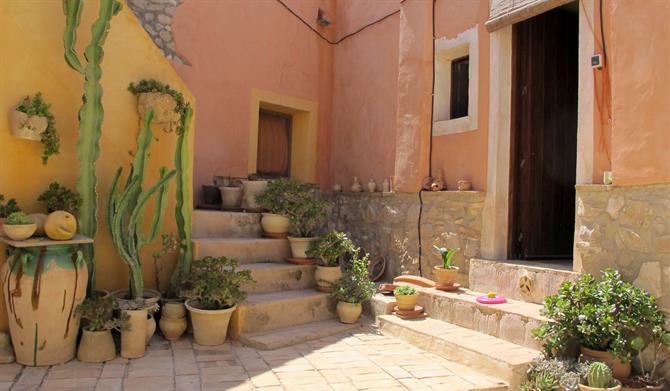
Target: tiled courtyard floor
(361, 360)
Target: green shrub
(18, 218)
(214, 283)
(405, 290)
(355, 285)
(333, 248)
(303, 206)
(97, 314)
(35, 106)
(10, 207)
(58, 197)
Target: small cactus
(600, 375)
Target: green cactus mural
(91, 113)
(599, 376)
(126, 209)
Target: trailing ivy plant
(8, 208)
(153, 85)
(214, 283)
(36, 106)
(58, 197)
(355, 285)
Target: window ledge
(453, 126)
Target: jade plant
(36, 106)
(91, 113)
(97, 314)
(9, 207)
(18, 218)
(297, 201)
(214, 283)
(405, 290)
(333, 248)
(447, 255)
(58, 197)
(126, 209)
(354, 286)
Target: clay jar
(134, 340)
(349, 312)
(173, 320)
(96, 346)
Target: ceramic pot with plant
(560, 374)
(173, 321)
(651, 377)
(18, 226)
(353, 289)
(32, 120)
(96, 344)
(447, 273)
(167, 105)
(212, 290)
(252, 188)
(134, 337)
(599, 378)
(6, 209)
(332, 250)
(57, 197)
(406, 297)
(278, 200)
(306, 211)
(231, 197)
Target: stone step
(520, 280)
(222, 224)
(277, 310)
(275, 277)
(488, 355)
(294, 335)
(245, 250)
(513, 321)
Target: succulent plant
(600, 375)
(405, 290)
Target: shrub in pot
(599, 377)
(277, 200)
(650, 378)
(447, 273)
(333, 249)
(6, 209)
(212, 290)
(96, 344)
(58, 197)
(406, 297)
(18, 226)
(353, 289)
(168, 105)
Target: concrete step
(245, 250)
(488, 355)
(277, 310)
(529, 281)
(275, 277)
(221, 224)
(513, 321)
(294, 335)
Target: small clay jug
(372, 186)
(356, 186)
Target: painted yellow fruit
(491, 294)
(60, 225)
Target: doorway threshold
(556, 264)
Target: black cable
(602, 31)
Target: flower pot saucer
(448, 288)
(301, 261)
(416, 313)
(275, 236)
(484, 299)
(387, 289)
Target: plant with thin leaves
(447, 255)
(214, 283)
(36, 106)
(354, 286)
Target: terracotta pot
(446, 276)
(231, 197)
(299, 246)
(275, 224)
(587, 388)
(134, 340)
(210, 327)
(19, 232)
(173, 320)
(28, 127)
(406, 302)
(163, 106)
(349, 312)
(251, 190)
(42, 291)
(326, 276)
(173, 309)
(96, 346)
(620, 370)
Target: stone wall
(156, 18)
(627, 228)
(388, 224)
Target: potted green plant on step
(447, 273)
(353, 289)
(18, 226)
(276, 199)
(332, 250)
(651, 378)
(406, 297)
(6, 209)
(599, 378)
(97, 344)
(213, 290)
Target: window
(458, 103)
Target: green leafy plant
(277, 196)
(599, 376)
(658, 342)
(333, 248)
(36, 106)
(602, 315)
(18, 218)
(152, 85)
(355, 285)
(215, 283)
(405, 290)
(58, 197)
(447, 255)
(97, 314)
(541, 381)
(8, 208)
(546, 374)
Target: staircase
(282, 307)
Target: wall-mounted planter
(28, 127)
(164, 109)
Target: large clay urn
(42, 287)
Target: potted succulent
(173, 313)
(6, 209)
(277, 200)
(252, 187)
(548, 374)
(600, 378)
(406, 297)
(32, 120)
(447, 273)
(58, 197)
(96, 344)
(307, 213)
(332, 250)
(212, 290)
(18, 226)
(650, 378)
(353, 289)
(582, 312)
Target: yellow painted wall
(31, 60)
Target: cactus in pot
(599, 377)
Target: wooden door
(274, 144)
(544, 136)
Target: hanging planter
(163, 106)
(27, 127)
(32, 120)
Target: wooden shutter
(506, 12)
(274, 144)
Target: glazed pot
(210, 327)
(349, 312)
(163, 106)
(326, 277)
(251, 190)
(617, 387)
(620, 370)
(299, 246)
(275, 225)
(173, 320)
(231, 197)
(96, 346)
(134, 340)
(43, 286)
(19, 232)
(28, 127)
(406, 302)
(446, 276)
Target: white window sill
(453, 126)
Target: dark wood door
(544, 136)
(274, 144)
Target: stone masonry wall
(627, 228)
(156, 18)
(388, 223)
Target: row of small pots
(232, 196)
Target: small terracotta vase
(96, 346)
(337, 188)
(349, 312)
(372, 186)
(356, 186)
(173, 320)
(134, 340)
(446, 276)
(464, 185)
(406, 302)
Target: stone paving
(360, 360)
